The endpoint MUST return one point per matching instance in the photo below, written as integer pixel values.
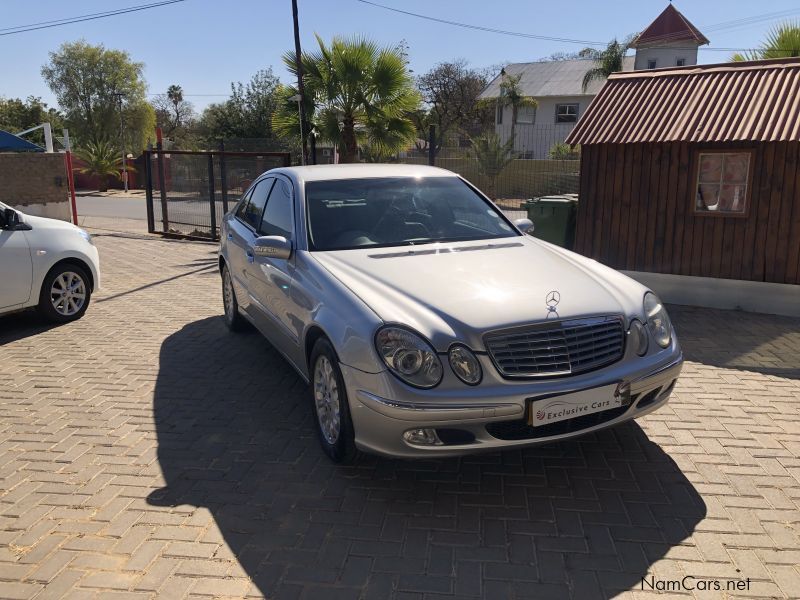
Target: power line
(718, 27)
(82, 18)
(481, 28)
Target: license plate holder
(552, 409)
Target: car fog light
(638, 334)
(422, 437)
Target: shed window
(681, 62)
(723, 181)
(566, 113)
(651, 64)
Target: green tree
(782, 41)
(606, 61)
(16, 116)
(511, 94)
(102, 159)
(246, 114)
(492, 157)
(89, 81)
(357, 94)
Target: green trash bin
(554, 218)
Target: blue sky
(203, 45)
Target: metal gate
(188, 192)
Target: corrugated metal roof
(552, 78)
(669, 27)
(749, 101)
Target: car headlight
(465, 364)
(409, 356)
(638, 334)
(657, 320)
(85, 235)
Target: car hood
(45, 223)
(458, 291)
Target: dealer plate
(544, 411)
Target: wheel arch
(72, 260)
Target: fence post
(432, 145)
(162, 187)
(148, 188)
(223, 176)
(212, 200)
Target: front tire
(330, 406)
(65, 293)
(233, 319)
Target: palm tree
(782, 41)
(511, 95)
(606, 61)
(175, 94)
(356, 94)
(103, 160)
(492, 157)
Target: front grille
(557, 347)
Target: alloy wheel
(326, 399)
(68, 293)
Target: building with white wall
(670, 40)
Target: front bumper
(492, 415)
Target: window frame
(652, 61)
(577, 106)
(249, 195)
(292, 207)
(533, 115)
(748, 196)
(680, 62)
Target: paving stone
(147, 452)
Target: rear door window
(254, 209)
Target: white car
(46, 263)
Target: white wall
(538, 137)
(51, 210)
(666, 55)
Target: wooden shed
(694, 171)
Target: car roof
(361, 171)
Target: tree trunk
(350, 154)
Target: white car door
(16, 269)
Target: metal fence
(525, 161)
(189, 192)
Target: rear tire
(65, 294)
(233, 319)
(329, 405)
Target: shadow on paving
(21, 325)
(583, 519)
(733, 339)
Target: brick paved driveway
(146, 452)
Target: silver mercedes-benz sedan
(427, 323)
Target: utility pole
(122, 142)
(300, 86)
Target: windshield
(397, 211)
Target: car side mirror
(10, 219)
(524, 225)
(272, 246)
